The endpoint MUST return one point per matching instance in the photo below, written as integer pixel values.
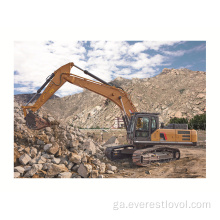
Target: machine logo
(163, 136)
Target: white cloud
(137, 48)
(175, 53)
(182, 52)
(34, 61)
(185, 67)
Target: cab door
(142, 130)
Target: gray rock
(56, 160)
(75, 158)
(46, 166)
(42, 160)
(47, 156)
(110, 167)
(96, 161)
(74, 144)
(20, 149)
(64, 159)
(27, 168)
(20, 120)
(102, 168)
(84, 159)
(109, 172)
(53, 149)
(84, 170)
(16, 174)
(90, 147)
(75, 175)
(33, 170)
(70, 165)
(52, 139)
(33, 152)
(55, 169)
(47, 147)
(111, 141)
(75, 168)
(50, 119)
(34, 161)
(65, 175)
(24, 159)
(114, 168)
(48, 129)
(19, 169)
(40, 142)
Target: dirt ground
(192, 163)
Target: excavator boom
(62, 75)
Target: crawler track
(142, 157)
(155, 154)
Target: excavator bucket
(35, 123)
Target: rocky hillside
(172, 93)
(24, 98)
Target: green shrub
(178, 121)
(197, 122)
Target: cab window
(142, 127)
(153, 124)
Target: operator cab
(141, 126)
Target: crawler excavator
(147, 142)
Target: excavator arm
(62, 75)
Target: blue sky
(34, 61)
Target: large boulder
(33, 170)
(55, 169)
(111, 141)
(65, 175)
(24, 159)
(84, 170)
(75, 158)
(56, 160)
(19, 169)
(51, 148)
(47, 147)
(16, 174)
(90, 147)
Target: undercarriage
(142, 157)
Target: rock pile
(59, 151)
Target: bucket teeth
(35, 123)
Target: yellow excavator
(147, 142)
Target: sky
(35, 60)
